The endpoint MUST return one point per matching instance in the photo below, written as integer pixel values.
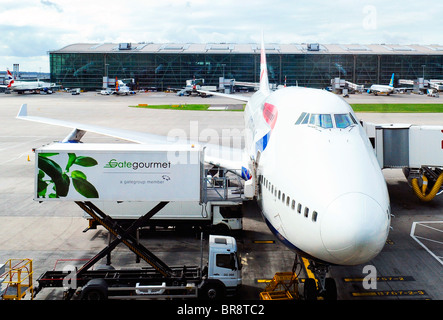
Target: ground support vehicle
(221, 277)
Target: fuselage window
(343, 121)
(321, 120)
(306, 212)
(299, 208)
(314, 216)
(283, 198)
(279, 194)
(288, 200)
(293, 205)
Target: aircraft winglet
(23, 112)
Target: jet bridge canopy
(406, 145)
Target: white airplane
(383, 89)
(121, 88)
(23, 86)
(318, 183)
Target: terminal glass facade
(171, 70)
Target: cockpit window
(343, 120)
(302, 116)
(321, 120)
(353, 119)
(305, 119)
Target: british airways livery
(314, 172)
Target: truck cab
(224, 268)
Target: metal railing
(18, 279)
(226, 186)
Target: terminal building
(163, 66)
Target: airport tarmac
(408, 268)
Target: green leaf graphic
(78, 174)
(41, 174)
(41, 188)
(50, 167)
(85, 161)
(54, 171)
(71, 160)
(85, 188)
(62, 186)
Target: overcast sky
(31, 28)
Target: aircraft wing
(229, 158)
(225, 95)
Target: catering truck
(128, 180)
(99, 177)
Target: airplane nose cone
(354, 229)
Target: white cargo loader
(137, 174)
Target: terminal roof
(253, 48)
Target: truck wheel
(220, 229)
(211, 291)
(93, 294)
(95, 289)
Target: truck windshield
(227, 261)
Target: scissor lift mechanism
(122, 278)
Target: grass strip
(398, 108)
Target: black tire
(220, 229)
(93, 295)
(211, 291)
(95, 289)
(310, 290)
(331, 289)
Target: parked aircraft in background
(27, 86)
(120, 89)
(383, 89)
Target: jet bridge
(343, 86)
(418, 150)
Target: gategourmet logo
(135, 165)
